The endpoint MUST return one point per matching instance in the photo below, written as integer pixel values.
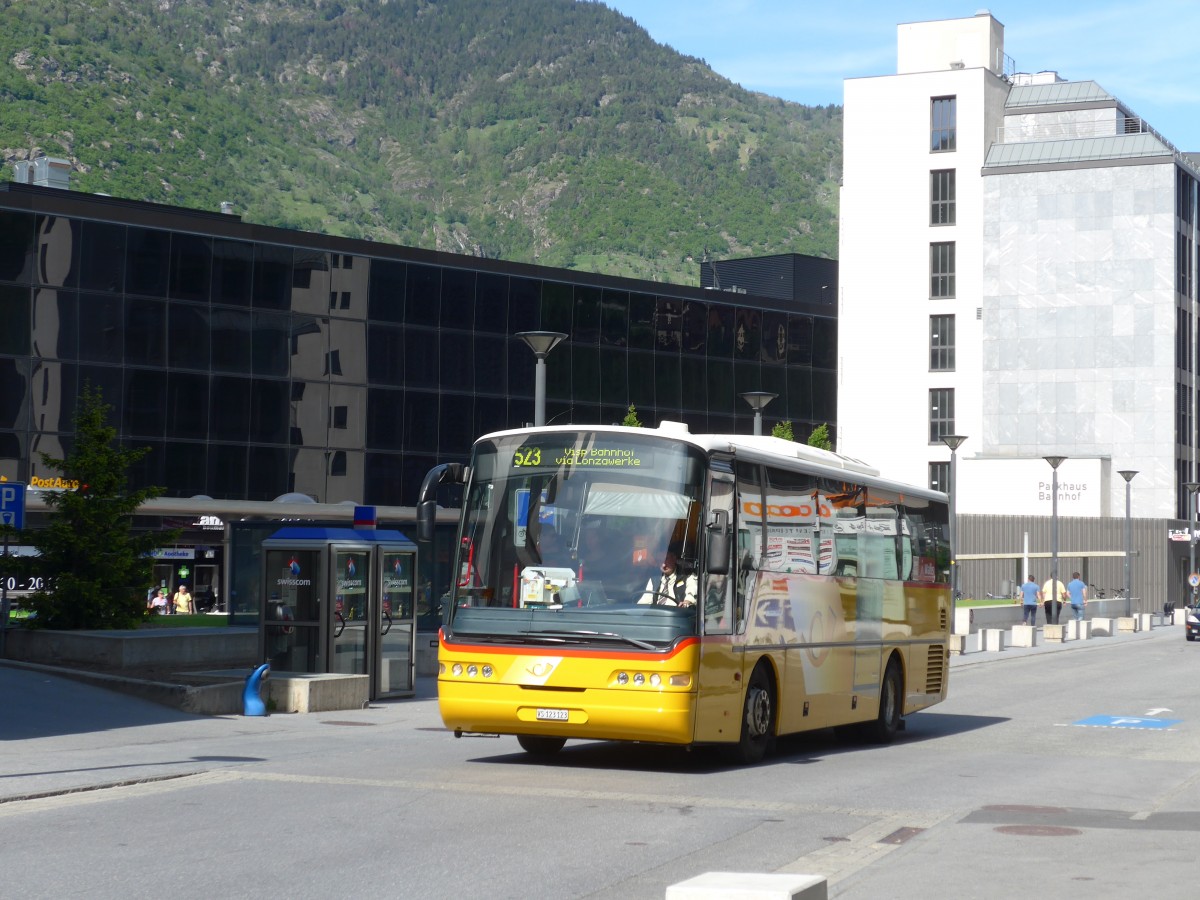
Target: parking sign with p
(12, 504)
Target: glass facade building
(257, 361)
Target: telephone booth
(341, 600)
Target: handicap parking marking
(1127, 722)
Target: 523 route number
(528, 456)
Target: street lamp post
(1128, 474)
(541, 343)
(1192, 487)
(758, 400)
(953, 441)
(1055, 462)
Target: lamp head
(758, 399)
(1055, 461)
(953, 441)
(1128, 474)
(541, 342)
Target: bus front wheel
(891, 702)
(536, 745)
(758, 719)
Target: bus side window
(718, 594)
(751, 535)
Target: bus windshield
(567, 535)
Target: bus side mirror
(426, 516)
(716, 554)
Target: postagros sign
(54, 484)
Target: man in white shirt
(674, 588)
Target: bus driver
(675, 587)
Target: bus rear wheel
(891, 702)
(758, 719)
(536, 745)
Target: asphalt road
(1012, 786)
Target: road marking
(1127, 722)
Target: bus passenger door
(719, 685)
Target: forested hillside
(553, 131)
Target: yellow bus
(656, 585)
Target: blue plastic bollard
(252, 701)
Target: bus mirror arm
(446, 473)
(717, 553)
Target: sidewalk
(977, 657)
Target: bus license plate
(551, 715)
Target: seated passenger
(675, 587)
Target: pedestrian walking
(1031, 596)
(1077, 593)
(1054, 592)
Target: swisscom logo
(295, 581)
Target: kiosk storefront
(340, 600)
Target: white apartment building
(1017, 265)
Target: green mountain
(552, 131)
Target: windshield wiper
(607, 635)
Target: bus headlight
(472, 670)
(622, 678)
(456, 670)
(639, 679)
(487, 671)
(655, 680)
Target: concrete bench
(993, 639)
(1127, 623)
(1024, 636)
(1102, 626)
(1078, 631)
(750, 886)
(1055, 634)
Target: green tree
(783, 430)
(96, 566)
(820, 437)
(631, 419)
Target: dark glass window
(269, 411)
(524, 305)
(668, 325)
(746, 334)
(941, 413)
(641, 379)
(101, 328)
(421, 357)
(491, 303)
(799, 394)
(386, 303)
(16, 305)
(774, 338)
(941, 269)
(458, 361)
(614, 376)
(556, 307)
(943, 115)
(420, 421)
(231, 408)
(939, 476)
(110, 381)
(187, 335)
(147, 262)
(18, 248)
(55, 323)
(385, 355)
(824, 355)
(101, 257)
(800, 340)
(941, 197)
(586, 328)
(232, 341)
(614, 319)
(422, 296)
(558, 374)
(145, 332)
(59, 251)
(232, 268)
(271, 343)
(491, 415)
(458, 298)
(187, 406)
(695, 384)
(269, 473)
(941, 343)
(747, 376)
(14, 393)
(774, 381)
(720, 332)
(585, 375)
(721, 397)
(384, 475)
(272, 276)
(185, 468)
(824, 396)
(520, 369)
(145, 399)
(695, 327)
(385, 412)
(456, 430)
(150, 470)
(191, 267)
(641, 321)
(491, 364)
(667, 389)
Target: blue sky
(802, 50)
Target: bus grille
(935, 669)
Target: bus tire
(891, 703)
(758, 719)
(539, 745)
